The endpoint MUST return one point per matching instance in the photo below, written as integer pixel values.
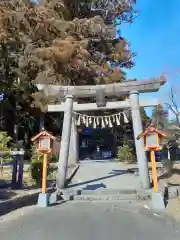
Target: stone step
(103, 194)
(113, 202)
(107, 191)
(128, 197)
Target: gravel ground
(173, 209)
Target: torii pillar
(65, 143)
(138, 128)
(73, 147)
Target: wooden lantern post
(44, 145)
(154, 170)
(152, 143)
(44, 175)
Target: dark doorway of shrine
(102, 143)
(96, 144)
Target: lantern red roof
(150, 130)
(44, 133)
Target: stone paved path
(87, 221)
(104, 174)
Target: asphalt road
(88, 221)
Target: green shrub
(4, 150)
(53, 159)
(36, 171)
(125, 154)
(4, 143)
(37, 165)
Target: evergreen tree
(60, 42)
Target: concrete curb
(110, 194)
(118, 194)
(19, 202)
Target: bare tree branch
(173, 105)
(171, 108)
(172, 96)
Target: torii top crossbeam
(114, 89)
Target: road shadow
(134, 170)
(95, 186)
(9, 205)
(165, 176)
(50, 183)
(6, 194)
(112, 174)
(169, 173)
(176, 171)
(173, 184)
(166, 196)
(119, 171)
(68, 181)
(106, 160)
(5, 184)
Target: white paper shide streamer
(110, 123)
(125, 118)
(100, 121)
(94, 123)
(118, 120)
(78, 123)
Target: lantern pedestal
(43, 200)
(158, 201)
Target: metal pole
(137, 128)
(65, 142)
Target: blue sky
(155, 37)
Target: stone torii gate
(68, 94)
